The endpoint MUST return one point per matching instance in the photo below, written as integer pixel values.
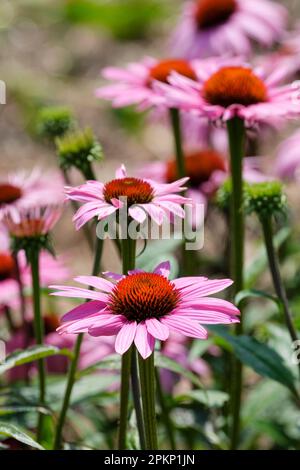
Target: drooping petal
(125, 337)
(157, 329)
(108, 326)
(185, 326)
(78, 292)
(144, 341)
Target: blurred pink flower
(230, 88)
(33, 221)
(287, 164)
(144, 197)
(23, 190)
(143, 307)
(218, 27)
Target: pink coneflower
(23, 190)
(142, 307)
(287, 165)
(218, 27)
(230, 88)
(144, 197)
(133, 84)
(33, 222)
(207, 169)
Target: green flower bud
(54, 122)
(78, 149)
(266, 199)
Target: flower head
(32, 229)
(230, 88)
(134, 84)
(142, 307)
(78, 149)
(23, 190)
(265, 199)
(143, 197)
(218, 27)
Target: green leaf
(19, 357)
(12, 410)
(260, 357)
(10, 430)
(112, 362)
(209, 398)
(245, 294)
(165, 362)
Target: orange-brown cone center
(163, 69)
(199, 166)
(211, 13)
(144, 295)
(135, 190)
(7, 266)
(234, 85)
(9, 193)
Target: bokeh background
(52, 52)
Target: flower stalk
(176, 128)
(147, 377)
(74, 362)
(39, 335)
(236, 137)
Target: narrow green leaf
(245, 294)
(19, 357)
(260, 357)
(209, 398)
(10, 430)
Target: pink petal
(157, 329)
(121, 172)
(144, 341)
(108, 327)
(204, 288)
(185, 326)
(137, 214)
(77, 292)
(163, 269)
(97, 282)
(125, 337)
(80, 312)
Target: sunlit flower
(144, 197)
(217, 27)
(23, 190)
(142, 307)
(231, 88)
(287, 165)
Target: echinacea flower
(287, 164)
(23, 190)
(230, 88)
(33, 222)
(134, 84)
(144, 197)
(142, 307)
(207, 169)
(218, 27)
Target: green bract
(265, 198)
(78, 149)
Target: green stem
(39, 335)
(276, 276)
(74, 362)
(147, 378)
(165, 411)
(128, 366)
(9, 320)
(236, 136)
(176, 127)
